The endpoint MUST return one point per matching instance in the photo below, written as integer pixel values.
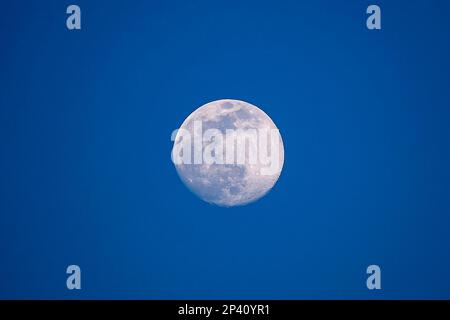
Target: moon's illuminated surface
(230, 184)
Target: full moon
(223, 172)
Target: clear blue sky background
(85, 170)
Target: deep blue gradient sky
(85, 170)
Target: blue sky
(86, 176)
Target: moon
(223, 183)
